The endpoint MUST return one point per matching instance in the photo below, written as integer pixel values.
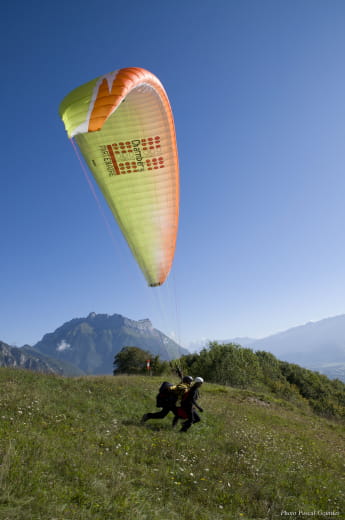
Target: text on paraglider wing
(134, 156)
(137, 153)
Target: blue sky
(257, 90)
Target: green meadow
(74, 449)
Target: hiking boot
(185, 426)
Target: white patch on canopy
(84, 126)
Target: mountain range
(28, 358)
(88, 345)
(91, 343)
(318, 346)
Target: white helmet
(198, 380)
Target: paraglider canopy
(123, 125)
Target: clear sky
(257, 89)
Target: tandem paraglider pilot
(188, 404)
(167, 398)
(180, 399)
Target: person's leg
(196, 417)
(175, 420)
(158, 415)
(186, 425)
(193, 417)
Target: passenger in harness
(188, 405)
(167, 398)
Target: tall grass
(74, 449)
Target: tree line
(236, 366)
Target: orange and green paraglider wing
(124, 127)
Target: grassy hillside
(74, 449)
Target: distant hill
(316, 345)
(26, 357)
(331, 370)
(91, 343)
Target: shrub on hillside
(325, 396)
(233, 365)
(133, 360)
(227, 364)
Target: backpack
(165, 397)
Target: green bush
(227, 364)
(133, 360)
(233, 365)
